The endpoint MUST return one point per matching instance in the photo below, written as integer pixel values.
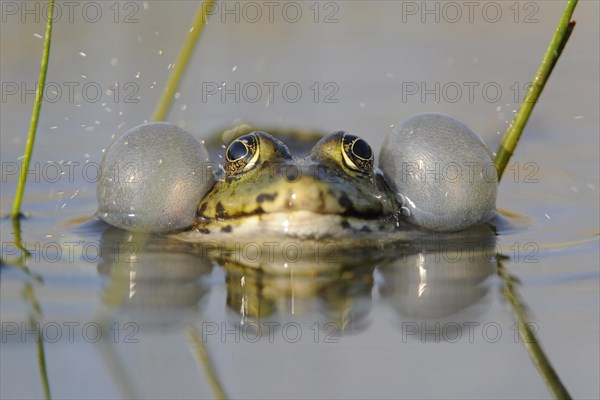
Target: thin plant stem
(203, 359)
(37, 104)
(34, 317)
(16, 223)
(42, 361)
(557, 43)
(20, 261)
(536, 353)
(36, 311)
(181, 63)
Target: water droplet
(400, 199)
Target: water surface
(427, 321)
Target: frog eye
(357, 153)
(242, 154)
(237, 150)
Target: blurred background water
(374, 327)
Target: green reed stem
(536, 353)
(34, 317)
(37, 105)
(203, 359)
(513, 133)
(16, 223)
(36, 310)
(42, 361)
(181, 63)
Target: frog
(265, 188)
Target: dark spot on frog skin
(265, 197)
(201, 210)
(345, 201)
(365, 229)
(321, 200)
(204, 231)
(221, 213)
(345, 224)
(227, 229)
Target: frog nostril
(292, 173)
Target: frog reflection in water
(332, 192)
(163, 288)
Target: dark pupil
(362, 149)
(236, 151)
